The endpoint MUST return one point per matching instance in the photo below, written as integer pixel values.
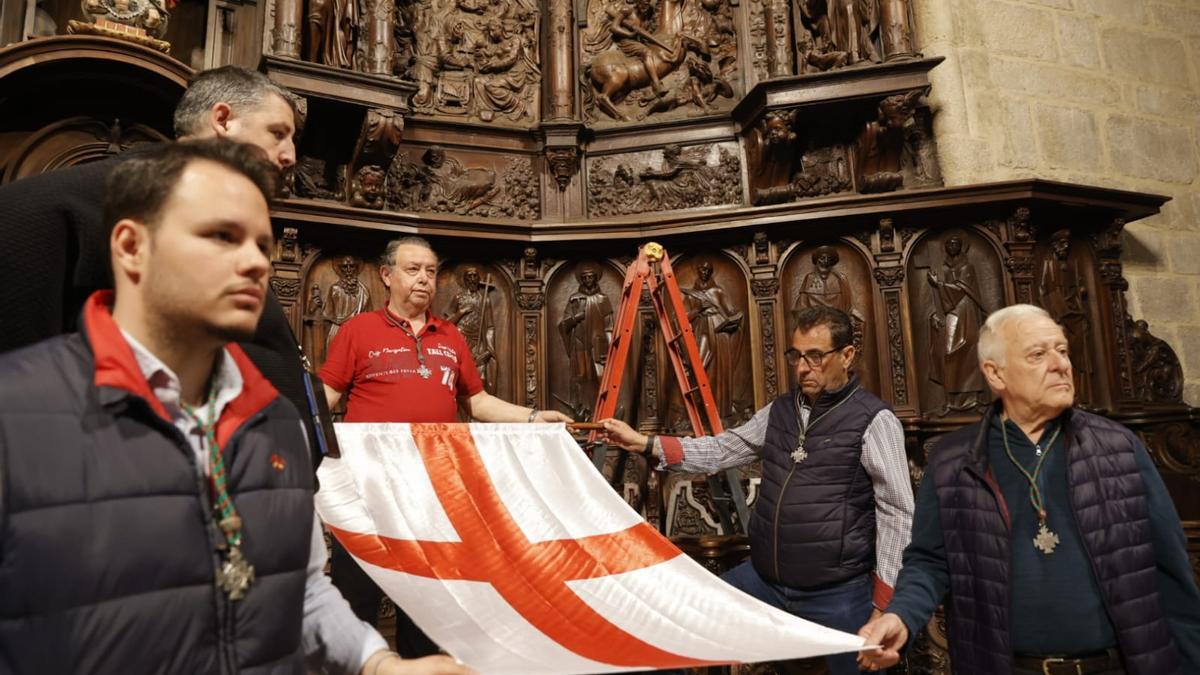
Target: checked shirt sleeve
(709, 454)
(886, 463)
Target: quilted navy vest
(814, 522)
(1108, 499)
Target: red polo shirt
(374, 358)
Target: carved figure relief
(833, 276)
(373, 153)
(825, 286)
(314, 319)
(472, 58)
(1157, 373)
(651, 57)
(347, 297)
(834, 34)
(703, 175)
(443, 184)
(716, 312)
(586, 330)
(1063, 292)
(332, 291)
(954, 280)
(894, 150)
(954, 322)
(140, 21)
(471, 310)
(332, 32)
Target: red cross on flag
(504, 544)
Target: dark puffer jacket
(108, 550)
(1108, 500)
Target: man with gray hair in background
(1049, 529)
(56, 251)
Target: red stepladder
(652, 269)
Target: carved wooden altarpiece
(782, 150)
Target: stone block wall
(1100, 92)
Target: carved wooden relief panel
(1066, 286)
(333, 289)
(955, 279)
(582, 299)
(658, 59)
(675, 177)
(716, 298)
(833, 275)
(472, 59)
(478, 299)
(489, 185)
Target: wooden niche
(838, 275)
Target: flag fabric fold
(505, 546)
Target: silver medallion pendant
(799, 454)
(1045, 541)
(235, 575)
(424, 372)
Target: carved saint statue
(716, 325)
(331, 29)
(825, 286)
(314, 325)
(471, 311)
(347, 296)
(954, 324)
(586, 329)
(1064, 295)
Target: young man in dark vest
(835, 505)
(1049, 528)
(155, 489)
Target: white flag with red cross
(505, 546)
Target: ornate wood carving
(895, 332)
(473, 59)
(432, 180)
(373, 154)
(478, 299)
(894, 150)
(142, 22)
(832, 35)
(1157, 373)
(560, 62)
(1063, 289)
(531, 360)
(564, 163)
(1020, 249)
(657, 58)
(955, 281)
(675, 178)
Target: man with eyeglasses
(834, 509)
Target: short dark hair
(841, 331)
(139, 186)
(389, 252)
(241, 88)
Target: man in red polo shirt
(403, 364)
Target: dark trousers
(845, 607)
(364, 598)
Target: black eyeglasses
(814, 357)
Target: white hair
(992, 346)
